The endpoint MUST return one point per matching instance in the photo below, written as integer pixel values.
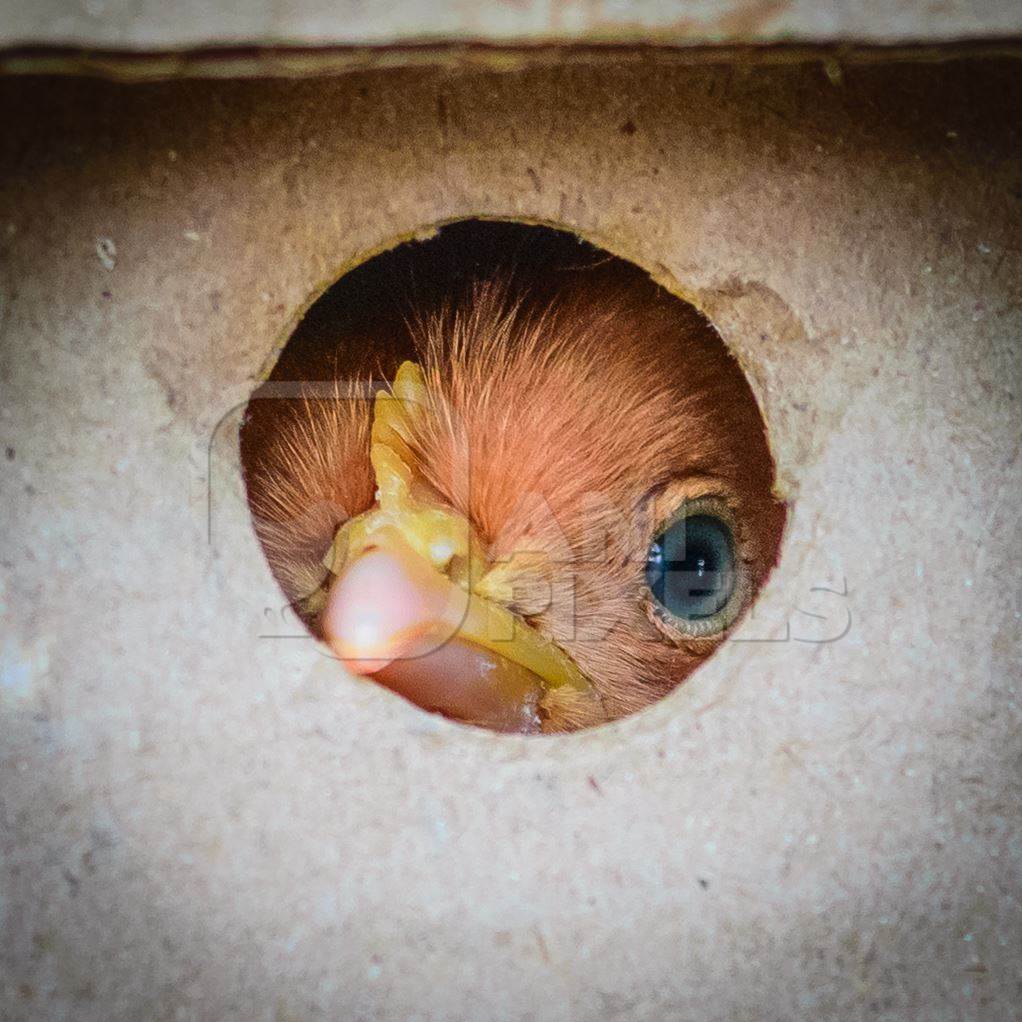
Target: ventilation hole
(559, 514)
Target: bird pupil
(690, 567)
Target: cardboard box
(201, 821)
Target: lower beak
(392, 616)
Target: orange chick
(554, 511)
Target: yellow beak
(414, 603)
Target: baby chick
(544, 516)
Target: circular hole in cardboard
(591, 407)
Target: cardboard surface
(202, 821)
(148, 25)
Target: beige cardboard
(202, 823)
(171, 24)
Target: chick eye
(691, 570)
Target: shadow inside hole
(360, 327)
